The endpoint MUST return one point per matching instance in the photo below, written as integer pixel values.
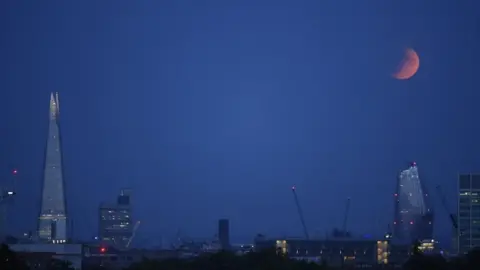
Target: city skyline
(215, 110)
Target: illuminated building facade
(52, 223)
(427, 246)
(468, 232)
(413, 212)
(356, 253)
(115, 222)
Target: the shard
(52, 223)
(413, 211)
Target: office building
(224, 233)
(468, 233)
(413, 219)
(115, 222)
(52, 223)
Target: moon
(408, 66)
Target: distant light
(10, 193)
(103, 249)
(411, 222)
(293, 187)
(395, 194)
(414, 164)
(394, 222)
(14, 172)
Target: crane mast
(133, 233)
(300, 213)
(453, 220)
(345, 218)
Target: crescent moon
(408, 66)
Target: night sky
(214, 109)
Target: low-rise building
(42, 252)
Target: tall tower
(413, 212)
(52, 223)
(115, 221)
(468, 215)
(224, 233)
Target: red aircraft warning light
(102, 250)
(414, 164)
(14, 171)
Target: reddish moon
(409, 65)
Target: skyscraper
(52, 223)
(413, 212)
(224, 233)
(468, 233)
(115, 222)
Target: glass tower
(413, 213)
(52, 223)
(468, 232)
(115, 222)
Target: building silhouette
(52, 222)
(468, 231)
(115, 221)
(224, 233)
(413, 219)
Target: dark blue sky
(213, 109)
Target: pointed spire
(53, 106)
(58, 104)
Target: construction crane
(300, 213)
(135, 228)
(343, 233)
(453, 220)
(345, 218)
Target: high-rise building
(115, 222)
(224, 233)
(52, 223)
(468, 233)
(413, 211)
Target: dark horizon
(215, 110)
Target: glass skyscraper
(52, 223)
(468, 232)
(413, 212)
(115, 222)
